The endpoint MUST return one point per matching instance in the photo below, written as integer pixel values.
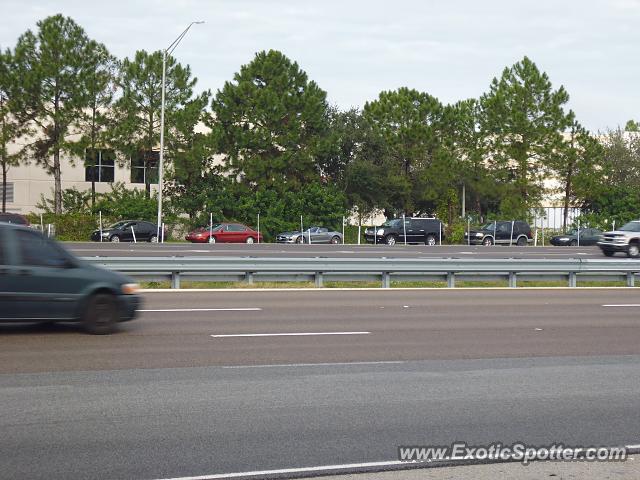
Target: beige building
(26, 184)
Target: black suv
(501, 233)
(41, 281)
(418, 230)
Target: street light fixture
(167, 51)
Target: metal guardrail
(385, 270)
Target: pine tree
(137, 111)
(54, 68)
(271, 121)
(522, 121)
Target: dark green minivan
(41, 281)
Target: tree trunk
(57, 175)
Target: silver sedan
(311, 234)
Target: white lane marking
(247, 309)
(334, 364)
(300, 334)
(623, 305)
(321, 468)
(324, 468)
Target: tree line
(269, 142)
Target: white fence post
(134, 234)
(404, 229)
(511, 239)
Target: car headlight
(130, 288)
(479, 235)
(105, 234)
(381, 231)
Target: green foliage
(271, 122)
(318, 204)
(52, 71)
(122, 203)
(521, 121)
(137, 111)
(612, 190)
(68, 227)
(409, 122)
(632, 126)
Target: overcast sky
(354, 49)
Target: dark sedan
(588, 236)
(128, 231)
(41, 281)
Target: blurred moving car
(126, 230)
(588, 236)
(624, 239)
(224, 233)
(429, 231)
(14, 218)
(311, 235)
(41, 281)
(505, 232)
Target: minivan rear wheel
(431, 240)
(487, 241)
(390, 239)
(522, 242)
(101, 314)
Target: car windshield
(206, 227)
(117, 225)
(489, 226)
(631, 227)
(392, 223)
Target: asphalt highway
(207, 383)
(91, 249)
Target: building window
(144, 167)
(99, 166)
(9, 192)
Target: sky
(354, 49)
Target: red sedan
(224, 233)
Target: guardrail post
(175, 279)
(318, 279)
(386, 280)
(248, 276)
(572, 279)
(513, 282)
(451, 280)
(631, 279)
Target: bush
(68, 227)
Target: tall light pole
(167, 51)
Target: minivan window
(37, 251)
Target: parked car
(14, 218)
(224, 233)
(418, 230)
(625, 239)
(588, 236)
(313, 234)
(505, 232)
(129, 231)
(41, 281)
